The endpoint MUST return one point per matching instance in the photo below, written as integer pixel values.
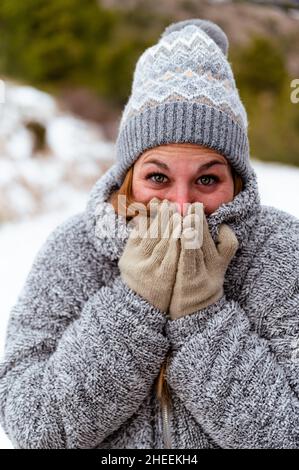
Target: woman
(118, 341)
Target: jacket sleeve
(240, 381)
(75, 369)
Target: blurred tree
(264, 84)
(70, 42)
(260, 66)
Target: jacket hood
(109, 231)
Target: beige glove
(148, 264)
(202, 264)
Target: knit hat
(184, 90)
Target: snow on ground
(278, 185)
(19, 242)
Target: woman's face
(183, 173)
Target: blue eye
(151, 175)
(206, 178)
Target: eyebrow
(205, 166)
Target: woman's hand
(202, 264)
(149, 262)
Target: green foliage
(74, 42)
(260, 66)
(264, 86)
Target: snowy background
(49, 161)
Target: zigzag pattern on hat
(184, 90)
(186, 65)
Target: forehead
(193, 151)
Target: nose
(182, 197)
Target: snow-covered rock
(73, 139)
(19, 145)
(31, 103)
(70, 156)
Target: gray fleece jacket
(83, 350)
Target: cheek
(142, 193)
(219, 196)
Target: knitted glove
(202, 264)
(148, 264)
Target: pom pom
(211, 29)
